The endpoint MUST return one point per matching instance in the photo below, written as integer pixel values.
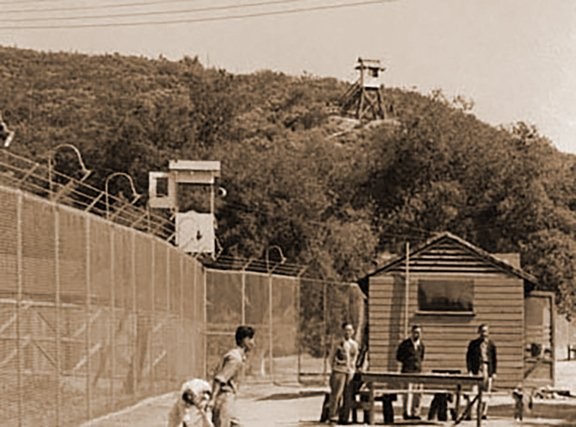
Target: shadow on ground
(293, 395)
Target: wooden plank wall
(498, 301)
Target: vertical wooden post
(479, 406)
(458, 398)
(371, 403)
(407, 289)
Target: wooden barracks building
(450, 287)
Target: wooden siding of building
(498, 302)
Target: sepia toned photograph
(292, 213)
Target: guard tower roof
(369, 63)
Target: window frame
(461, 281)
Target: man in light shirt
(225, 384)
(343, 368)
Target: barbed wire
(36, 178)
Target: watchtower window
(446, 296)
(162, 187)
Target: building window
(446, 296)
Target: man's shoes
(411, 417)
(484, 417)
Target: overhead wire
(151, 13)
(192, 20)
(19, 2)
(95, 7)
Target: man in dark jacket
(481, 360)
(410, 354)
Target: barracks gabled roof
(442, 238)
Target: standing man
(410, 354)
(343, 367)
(481, 360)
(225, 384)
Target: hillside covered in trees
(333, 194)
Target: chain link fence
(98, 309)
(267, 302)
(93, 316)
(297, 319)
(325, 306)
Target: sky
(515, 59)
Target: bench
(439, 406)
(453, 381)
(363, 404)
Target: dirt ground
(268, 405)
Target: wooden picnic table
(454, 381)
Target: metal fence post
(243, 296)
(181, 323)
(298, 325)
(325, 325)
(58, 307)
(205, 318)
(88, 321)
(270, 327)
(135, 356)
(112, 348)
(20, 278)
(168, 314)
(154, 314)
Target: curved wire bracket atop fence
(52, 169)
(282, 258)
(135, 195)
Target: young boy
(191, 407)
(225, 384)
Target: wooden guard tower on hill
(364, 99)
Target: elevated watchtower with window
(364, 99)
(194, 227)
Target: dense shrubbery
(332, 203)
